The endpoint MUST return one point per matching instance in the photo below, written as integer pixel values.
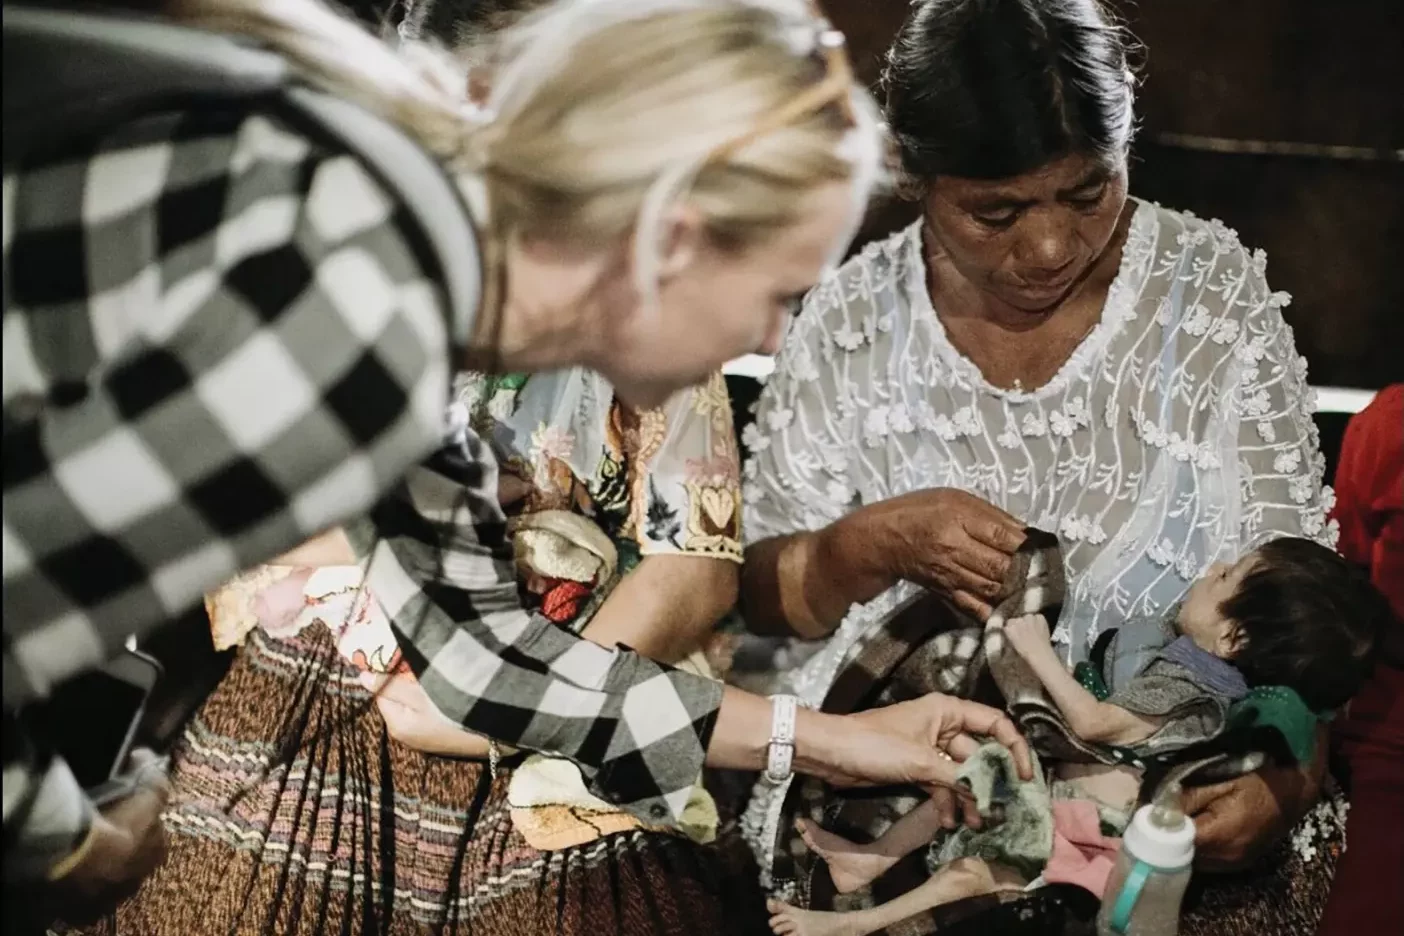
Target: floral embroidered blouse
(1179, 432)
(660, 481)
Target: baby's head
(1290, 613)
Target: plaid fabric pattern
(219, 339)
(442, 567)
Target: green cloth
(1090, 678)
(1018, 814)
(1280, 709)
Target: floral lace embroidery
(1179, 431)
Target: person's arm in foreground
(1090, 719)
(665, 607)
(662, 610)
(811, 554)
(259, 400)
(639, 730)
(1238, 821)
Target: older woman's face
(1028, 240)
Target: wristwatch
(780, 752)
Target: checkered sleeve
(440, 563)
(219, 340)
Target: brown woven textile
(294, 814)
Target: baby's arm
(1090, 720)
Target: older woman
(1038, 349)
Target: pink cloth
(1082, 855)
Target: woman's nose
(1048, 246)
(776, 339)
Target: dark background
(1240, 73)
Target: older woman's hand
(945, 540)
(1238, 821)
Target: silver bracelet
(780, 753)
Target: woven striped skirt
(293, 813)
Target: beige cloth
(552, 809)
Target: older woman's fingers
(1197, 799)
(1003, 533)
(985, 561)
(957, 578)
(971, 604)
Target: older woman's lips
(1046, 289)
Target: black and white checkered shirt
(220, 338)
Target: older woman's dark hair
(989, 89)
(1309, 620)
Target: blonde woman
(222, 338)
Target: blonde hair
(604, 113)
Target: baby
(1291, 613)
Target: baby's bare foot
(786, 920)
(852, 866)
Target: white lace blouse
(1178, 433)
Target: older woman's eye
(996, 219)
(1088, 198)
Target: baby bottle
(1148, 882)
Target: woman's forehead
(1062, 175)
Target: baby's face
(1200, 618)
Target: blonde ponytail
(604, 113)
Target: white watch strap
(780, 754)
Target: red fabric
(1366, 896)
(1082, 855)
(562, 601)
(1370, 498)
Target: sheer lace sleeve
(1280, 465)
(797, 475)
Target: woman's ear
(683, 231)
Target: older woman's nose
(1048, 247)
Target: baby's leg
(964, 877)
(853, 866)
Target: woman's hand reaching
(921, 742)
